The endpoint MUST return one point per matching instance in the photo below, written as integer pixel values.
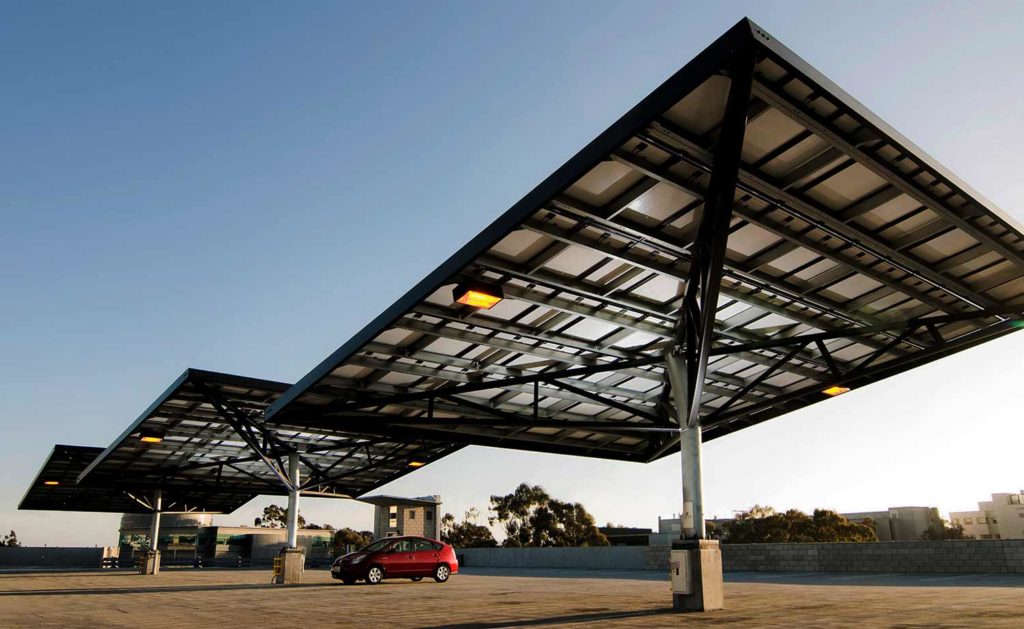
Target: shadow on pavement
(159, 589)
(783, 578)
(582, 618)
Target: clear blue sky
(241, 186)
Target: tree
(468, 533)
(532, 518)
(765, 525)
(11, 540)
(943, 530)
(350, 537)
(276, 517)
(318, 527)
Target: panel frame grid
(848, 256)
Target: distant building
(626, 535)
(188, 539)
(671, 528)
(999, 518)
(899, 524)
(394, 516)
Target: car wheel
(348, 580)
(417, 579)
(374, 575)
(442, 572)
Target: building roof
(209, 434)
(65, 463)
(852, 256)
(385, 500)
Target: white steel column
(692, 515)
(693, 485)
(154, 527)
(293, 499)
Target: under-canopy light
(51, 482)
(836, 390)
(416, 463)
(150, 436)
(478, 294)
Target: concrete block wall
(50, 557)
(961, 556)
(587, 558)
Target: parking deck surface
(502, 598)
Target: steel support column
(686, 363)
(293, 499)
(154, 527)
(692, 515)
(151, 558)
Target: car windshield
(380, 544)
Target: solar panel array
(841, 228)
(211, 438)
(54, 489)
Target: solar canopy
(849, 256)
(54, 489)
(205, 436)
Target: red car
(394, 557)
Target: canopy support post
(289, 566)
(150, 561)
(696, 561)
(293, 498)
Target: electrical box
(679, 570)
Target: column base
(701, 563)
(293, 562)
(149, 562)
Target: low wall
(36, 557)
(960, 556)
(587, 558)
(956, 556)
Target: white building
(999, 518)
(899, 524)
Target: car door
(426, 557)
(402, 559)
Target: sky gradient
(240, 187)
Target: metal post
(692, 515)
(154, 528)
(699, 587)
(693, 485)
(293, 499)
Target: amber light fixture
(478, 294)
(416, 463)
(51, 483)
(150, 436)
(836, 390)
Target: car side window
(422, 545)
(437, 545)
(404, 546)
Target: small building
(626, 535)
(394, 516)
(1002, 517)
(899, 524)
